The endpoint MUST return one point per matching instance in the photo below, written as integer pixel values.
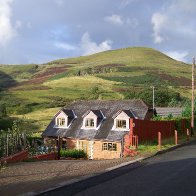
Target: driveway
(26, 177)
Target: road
(172, 173)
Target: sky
(38, 31)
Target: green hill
(117, 74)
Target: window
(120, 123)
(60, 121)
(89, 122)
(109, 146)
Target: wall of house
(98, 153)
(71, 143)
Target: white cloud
(90, 47)
(184, 5)
(180, 56)
(114, 19)
(65, 46)
(158, 21)
(7, 31)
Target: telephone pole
(192, 100)
(153, 104)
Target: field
(38, 91)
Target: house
(166, 111)
(97, 127)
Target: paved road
(172, 173)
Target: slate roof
(105, 132)
(98, 113)
(129, 113)
(165, 111)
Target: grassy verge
(148, 148)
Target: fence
(11, 142)
(148, 130)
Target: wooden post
(7, 145)
(159, 140)
(176, 137)
(59, 147)
(187, 135)
(136, 141)
(192, 99)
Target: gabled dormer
(64, 118)
(92, 119)
(122, 120)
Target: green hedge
(73, 153)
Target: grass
(40, 118)
(110, 71)
(152, 147)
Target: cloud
(64, 46)
(184, 5)
(158, 21)
(7, 31)
(90, 47)
(114, 19)
(180, 56)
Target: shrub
(73, 153)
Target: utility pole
(153, 105)
(192, 100)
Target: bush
(73, 153)
(163, 97)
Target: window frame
(109, 146)
(122, 122)
(60, 122)
(89, 123)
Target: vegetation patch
(73, 154)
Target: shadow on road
(173, 173)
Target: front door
(87, 146)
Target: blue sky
(38, 31)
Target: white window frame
(89, 122)
(121, 121)
(60, 122)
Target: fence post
(187, 135)
(136, 141)
(176, 137)
(59, 147)
(159, 140)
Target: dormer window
(89, 122)
(121, 124)
(60, 122)
(92, 119)
(121, 120)
(64, 118)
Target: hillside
(117, 74)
